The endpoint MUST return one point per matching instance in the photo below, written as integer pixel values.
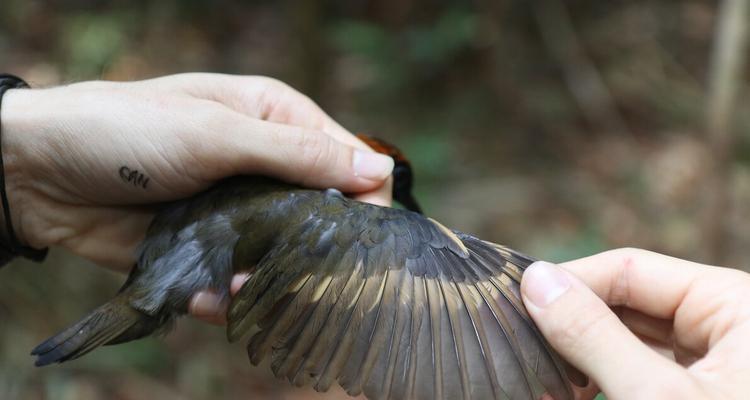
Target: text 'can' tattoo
(134, 177)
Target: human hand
(680, 330)
(86, 163)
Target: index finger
(274, 101)
(263, 98)
(652, 283)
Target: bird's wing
(400, 309)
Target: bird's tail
(114, 322)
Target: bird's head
(403, 177)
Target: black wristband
(11, 247)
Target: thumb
(581, 327)
(303, 156)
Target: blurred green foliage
(477, 94)
(90, 42)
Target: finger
(281, 103)
(649, 282)
(728, 361)
(654, 332)
(695, 296)
(237, 281)
(273, 101)
(581, 327)
(296, 155)
(380, 196)
(586, 393)
(208, 307)
(263, 98)
(657, 329)
(658, 347)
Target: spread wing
(402, 309)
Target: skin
(64, 151)
(680, 328)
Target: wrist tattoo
(134, 177)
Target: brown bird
(381, 300)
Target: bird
(385, 302)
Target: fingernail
(544, 283)
(370, 165)
(205, 304)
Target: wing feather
(332, 367)
(309, 329)
(334, 327)
(400, 337)
(425, 384)
(311, 345)
(347, 353)
(436, 309)
(282, 321)
(469, 297)
(372, 373)
(370, 312)
(456, 334)
(404, 374)
(395, 306)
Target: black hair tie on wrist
(11, 247)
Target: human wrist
(18, 121)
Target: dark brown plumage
(384, 301)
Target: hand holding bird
(382, 301)
(87, 164)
